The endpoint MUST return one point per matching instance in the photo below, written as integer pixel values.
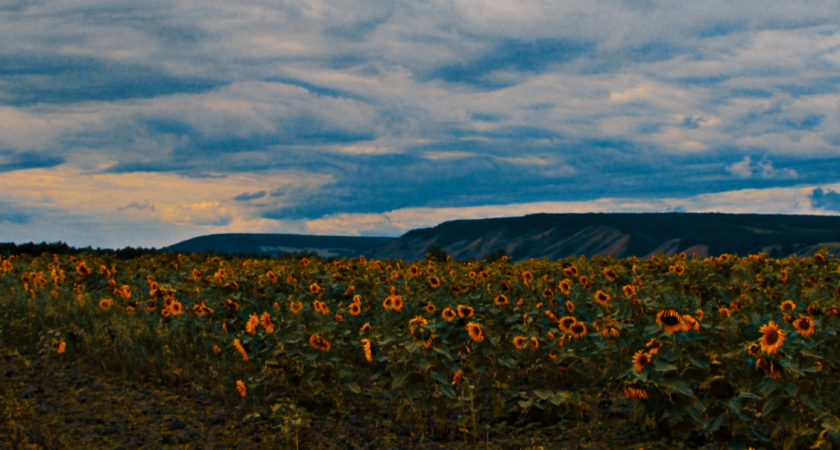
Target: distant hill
(556, 236)
(275, 244)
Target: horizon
(143, 125)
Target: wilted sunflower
(434, 282)
(240, 386)
(577, 330)
(368, 347)
(534, 343)
(654, 345)
(670, 320)
(566, 323)
(251, 326)
(355, 309)
(551, 316)
(449, 314)
(768, 366)
(787, 305)
(520, 342)
(833, 311)
(430, 308)
(640, 360)
(602, 298)
(754, 349)
(475, 332)
(635, 394)
(231, 305)
(610, 331)
(266, 322)
(773, 337)
(458, 378)
(804, 325)
(295, 307)
(690, 323)
(241, 349)
(465, 312)
(319, 343)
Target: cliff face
(556, 236)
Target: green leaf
(748, 395)
(354, 388)
(699, 360)
(770, 404)
(398, 378)
(759, 434)
(713, 423)
(447, 390)
(662, 366)
(543, 394)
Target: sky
(126, 123)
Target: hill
(556, 236)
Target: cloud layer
(125, 123)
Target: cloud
(763, 168)
(245, 196)
(138, 206)
(828, 200)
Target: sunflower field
(695, 345)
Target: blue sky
(146, 123)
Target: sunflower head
(814, 311)
(500, 300)
(670, 320)
(755, 350)
(519, 342)
(773, 337)
(465, 312)
(640, 360)
(319, 343)
(787, 305)
(504, 285)
(566, 323)
(475, 332)
(602, 298)
(629, 291)
(449, 314)
(577, 330)
(565, 286)
(610, 274)
(570, 307)
(430, 308)
(804, 326)
(105, 303)
(434, 282)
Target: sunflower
(434, 282)
(690, 323)
(295, 307)
(769, 367)
(547, 293)
(773, 337)
(165, 312)
(566, 323)
(238, 345)
(700, 314)
(577, 330)
(818, 365)
(570, 307)
(640, 360)
(251, 326)
(788, 306)
(834, 311)
(475, 332)
(455, 289)
(610, 331)
(175, 308)
(610, 274)
(414, 271)
(519, 342)
(355, 309)
(105, 303)
(654, 345)
(82, 269)
(534, 344)
(397, 303)
(240, 386)
(319, 343)
(61, 347)
(755, 350)
(449, 314)
(551, 316)
(629, 291)
(784, 275)
(271, 276)
(231, 305)
(602, 298)
(500, 300)
(527, 277)
(365, 327)
(571, 272)
(217, 349)
(368, 347)
(670, 320)
(388, 303)
(504, 285)
(724, 313)
(804, 325)
(635, 394)
(465, 312)
(813, 311)
(552, 354)
(266, 322)
(458, 378)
